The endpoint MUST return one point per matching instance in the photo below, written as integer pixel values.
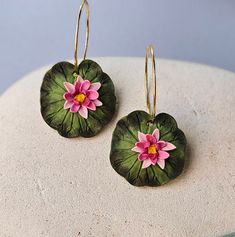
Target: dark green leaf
(125, 161)
(52, 101)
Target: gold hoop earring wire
(84, 3)
(151, 108)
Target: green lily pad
(52, 102)
(125, 161)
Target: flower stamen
(80, 97)
(152, 149)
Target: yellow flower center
(152, 149)
(80, 97)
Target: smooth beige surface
(56, 187)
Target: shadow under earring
(77, 100)
(148, 149)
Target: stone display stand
(51, 186)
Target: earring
(77, 100)
(148, 149)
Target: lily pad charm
(77, 100)
(148, 149)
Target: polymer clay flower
(81, 96)
(152, 150)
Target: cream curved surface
(51, 186)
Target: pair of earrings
(79, 100)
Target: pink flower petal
(95, 86)
(68, 96)
(142, 137)
(138, 149)
(168, 146)
(161, 144)
(92, 94)
(156, 133)
(163, 155)
(146, 163)
(85, 85)
(83, 112)
(161, 163)
(150, 138)
(153, 158)
(77, 86)
(69, 87)
(74, 108)
(86, 102)
(91, 106)
(143, 157)
(79, 79)
(142, 145)
(98, 102)
(68, 104)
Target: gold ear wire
(84, 3)
(152, 109)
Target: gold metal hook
(84, 2)
(152, 109)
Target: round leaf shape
(52, 102)
(126, 162)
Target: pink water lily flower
(152, 151)
(81, 96)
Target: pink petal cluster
(81, 96)
(152, 150)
